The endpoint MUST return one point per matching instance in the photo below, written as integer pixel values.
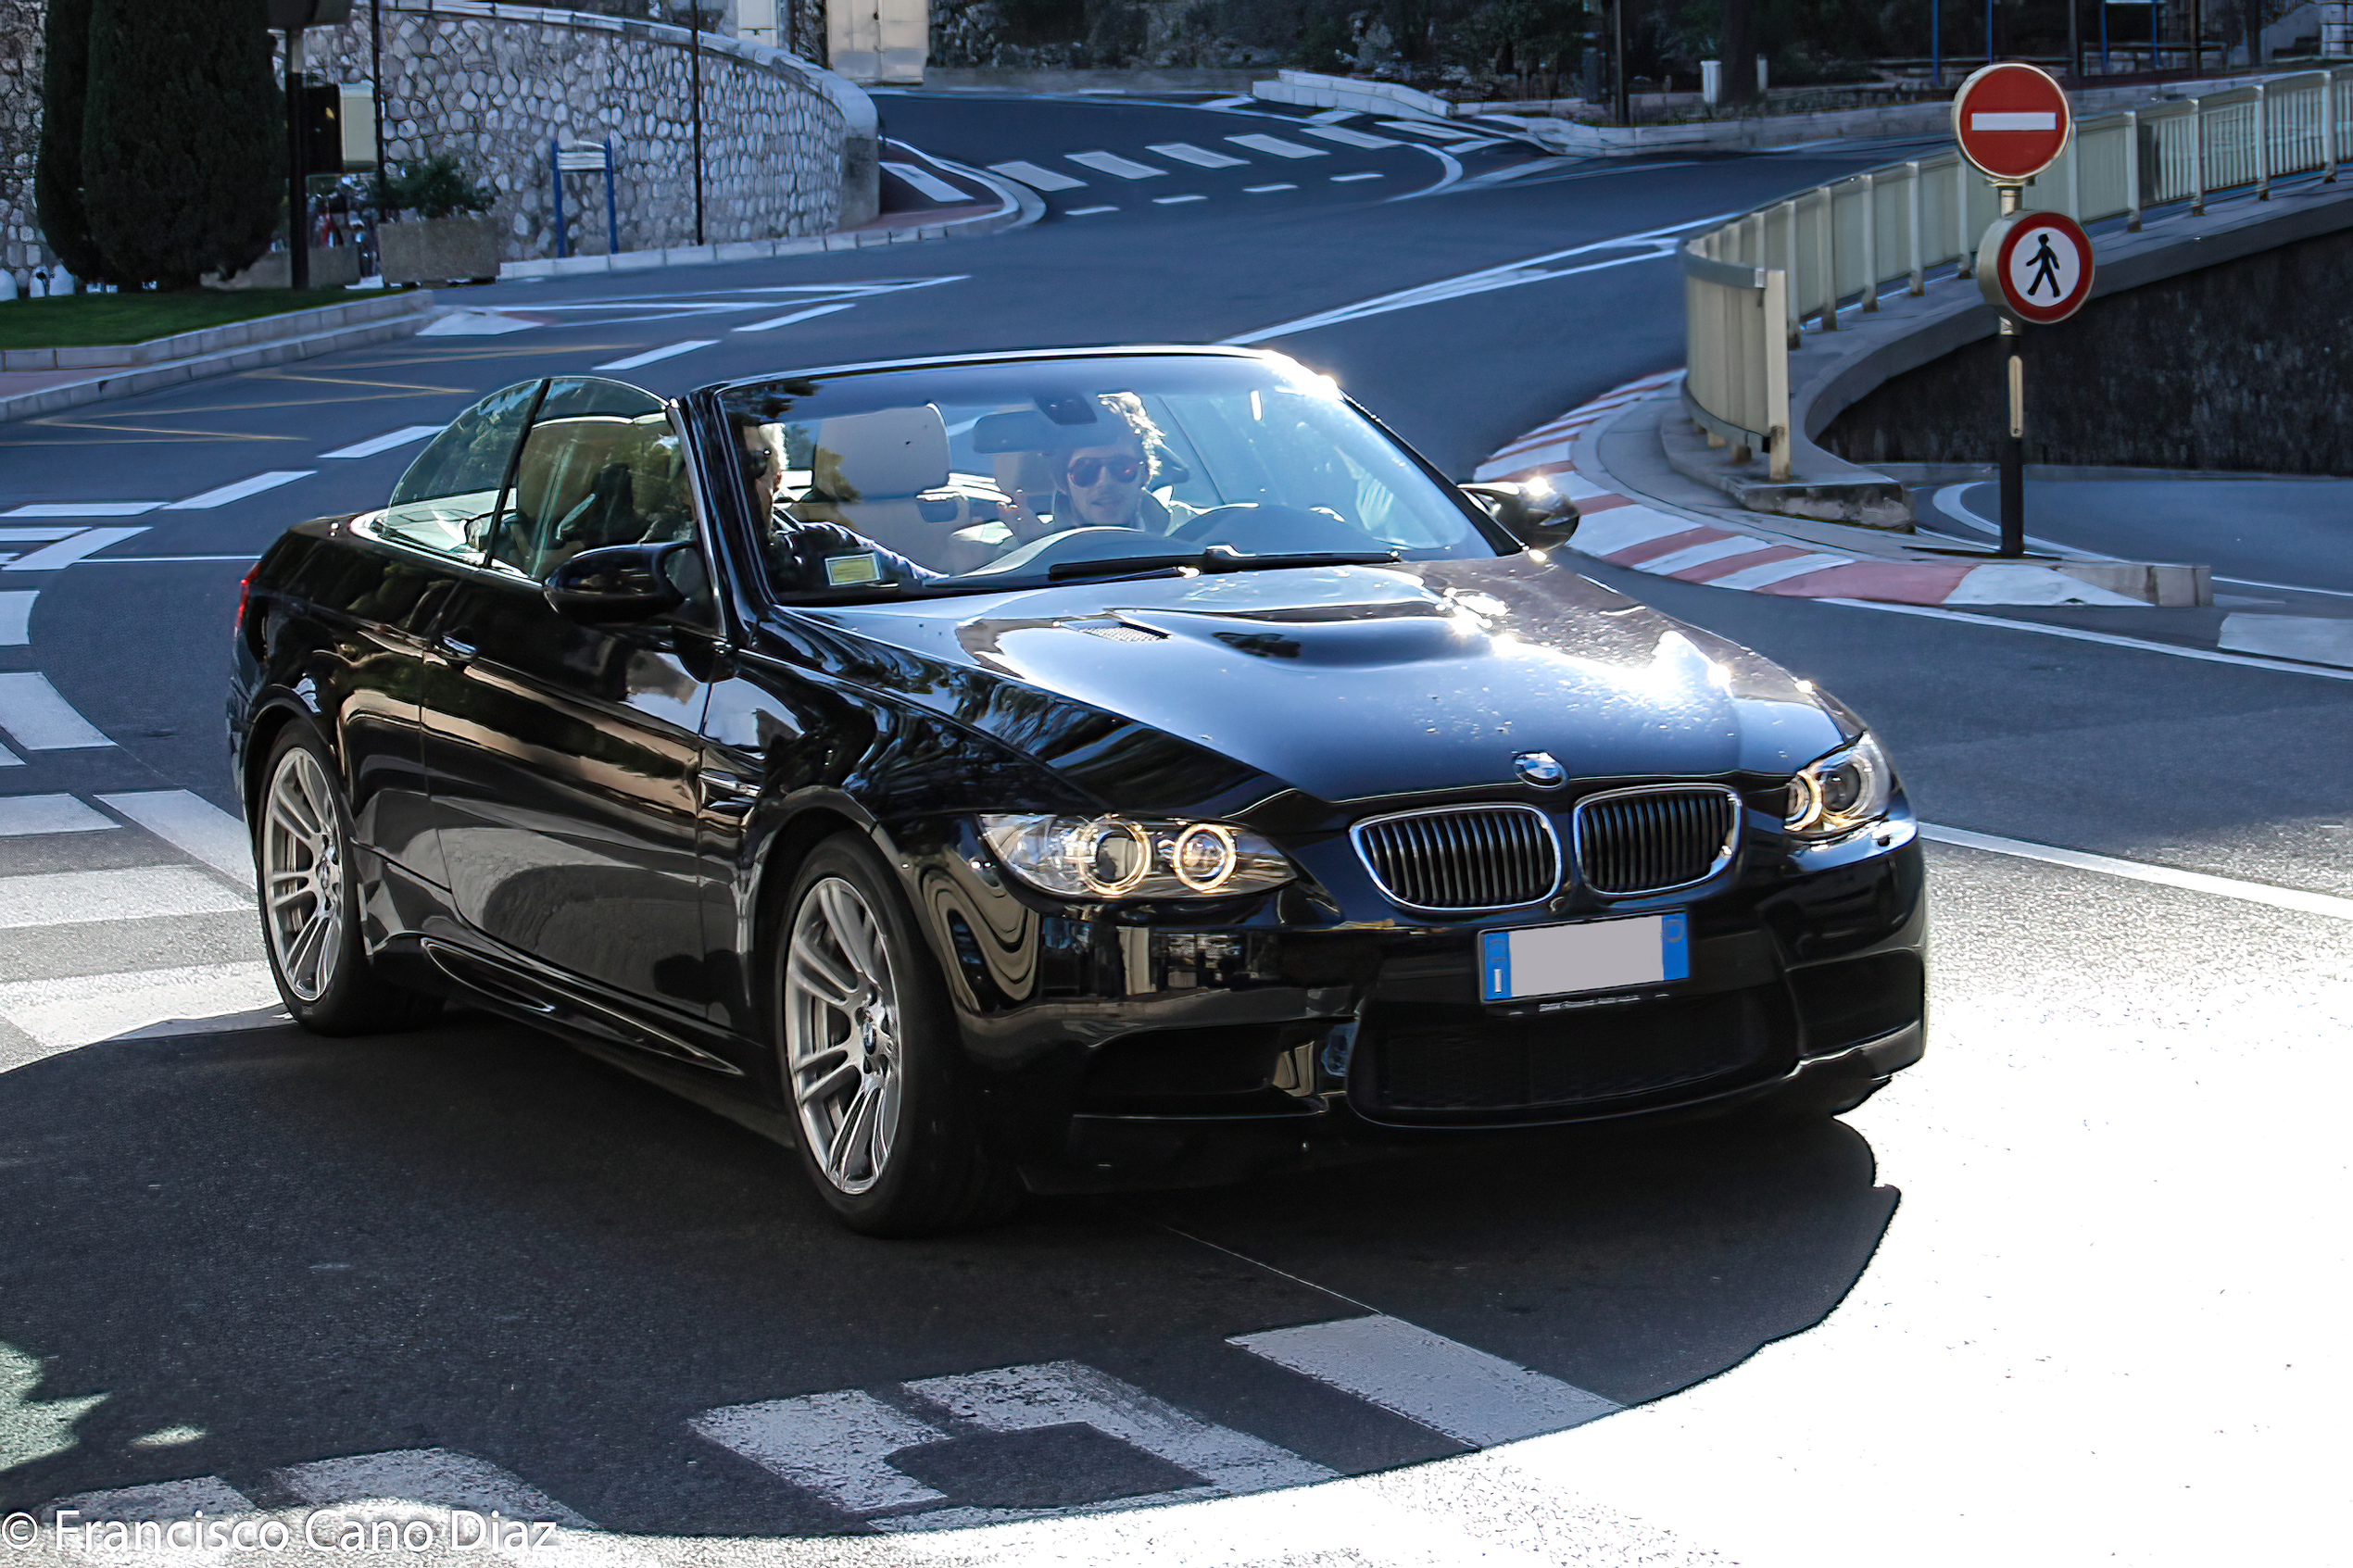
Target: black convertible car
(1061, 768)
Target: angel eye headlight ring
(1835, 795)
(1105, 847)
(1116, 857)
(1204, 857)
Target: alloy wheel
(841, 1035)
(302, 875)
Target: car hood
(1354, 683)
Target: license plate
(1601, 955)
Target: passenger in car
(805, 554)
(1107, 483)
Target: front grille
(1655, 839)
(1608, 1058)
(1463, 857)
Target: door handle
(725, 794)
(459, 649)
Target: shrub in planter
(442, 238)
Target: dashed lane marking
(1446, 1386)
(1262, 190)
(930, 184)
(135, 893)
(34, 535)
(193, 826)
(65, 552)
(1175, 201)
(384, 443)
(1201, 157)
(811, 314)
(23, 816)
(655, 355)
(437, 1477)
(1348, 138)
(1038, 178)
(1088, 211)
(1274, 147)
(240, 490)
(87, 509)
(1437, 132)
(16, 616)
(1368, 174)
(1113, 164)
(2294, 898)
(1330, 117)
(837, 1444)
(39, 720)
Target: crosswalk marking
(84, 544)
(87, 509)
(35, 536)
(438, 1477)
(929, 183)
(16, 616)
(1468, 1395)
(1185, 152)
(811, 314)
(384, 443)
(1348, 138)
(162, 1502)
(61, 1014)
(193, 826)
(1039, 179)
(838, 1444)
(240, 490)
(1332, 117)
(1276, 145)
(1440, 133)
(23, 816)
(133, 892)
(39, 720)
(1112, 163)
(655, 355)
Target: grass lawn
(76, 319)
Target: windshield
(951, 479)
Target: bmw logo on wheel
(1540, 769)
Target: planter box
(332, 267)
(439, 250)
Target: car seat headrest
(886, 456)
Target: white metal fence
(1751, 284)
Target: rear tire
(887, 1129)
(309, 894)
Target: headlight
(1842, 792)
(1120, 857)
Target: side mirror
(1535, 513)
(616, 585)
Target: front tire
(887, 1131)
(308, 893)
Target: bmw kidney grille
(1463, 858)
(1655, 839)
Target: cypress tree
(57, 175)
(181, 145)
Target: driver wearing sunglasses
(1108, 484)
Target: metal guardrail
(1751, 284)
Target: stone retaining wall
(20, 246)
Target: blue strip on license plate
(1567, 960)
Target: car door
(562, 756)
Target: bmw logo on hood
(1540, 769)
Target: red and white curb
(1625, 531)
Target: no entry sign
(2036, 266)
(2013, 120)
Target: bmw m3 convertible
(1053, 770)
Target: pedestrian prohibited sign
(2013, 120)
(2035, 267)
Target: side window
(444, 502)
(602, 465)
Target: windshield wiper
(1218, 557)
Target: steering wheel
(1075, 544)
(1262, 528)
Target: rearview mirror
(1536, 514)
(616, 585)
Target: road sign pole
(2014, 445)
(298, 173)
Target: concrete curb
(131, 382)
(1820, 560)
(211, 340)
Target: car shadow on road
(265, 1249)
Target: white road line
(1175, 201)
(655, 355)
(16, 616)
(9, 758)
(2294, 898)
(837, 1444)
(384, 443)
(1348, 138)
(1346, 179)
(166, 560)
(1275, 145)
(240, 490)
(1262, 190)
(2233, 582)
(2073, 634)
(1750, 577)
(163, 1503)
(1328, 117)
(1242, 100)
(65, 552)
(437, 1477)
(1700, 554)
(35, 536)
(930, 184)
(1421, 128)
(193, 826)
(1622, 528)
(80, 1011)
(87, 509)
(1113, 164)
(24, 815)
(1201, 157)
(1040, 178)
(136, 893)
(1088, 211)
(1447, 1386)
(811, 314)
(39, 720)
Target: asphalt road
(2060, 1296)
